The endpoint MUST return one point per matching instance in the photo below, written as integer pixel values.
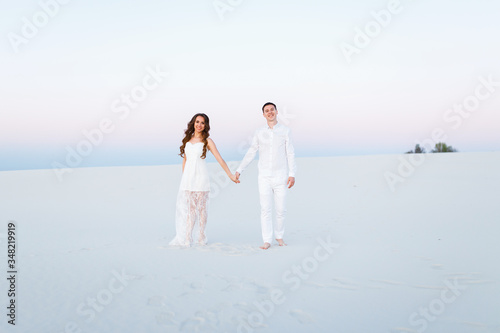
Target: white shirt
(276, 153)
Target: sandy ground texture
(375, 244)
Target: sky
(107, 83)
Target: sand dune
(362, 256)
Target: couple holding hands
(276, 175)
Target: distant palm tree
(442, 147)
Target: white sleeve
(250, 155)
(290, 155)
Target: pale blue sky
(392, 94)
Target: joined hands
(235, 177)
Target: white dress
(192, 199)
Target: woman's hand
(234, 178)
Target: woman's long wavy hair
(189, 132)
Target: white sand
(421, 258)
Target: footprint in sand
(82, 249)
(337, 284)
(194, 288)
(228, 249)
(259, 289)
(243, 306)
(475, 325)
(209, 316)
(192, 324)
(424, 258)
(430, 287)
(156, 301)
(202, 321)
(166, 318)
(480, 281)
(225, 249)
(403, 329)
(239, 283)
(469, 278)
(394, 283)
(232, 287)
(301, 316)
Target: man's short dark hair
(269, 103)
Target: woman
(193, 194)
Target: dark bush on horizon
(417, 150)
(440, 147)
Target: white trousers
(272, 190)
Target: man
(276, 172)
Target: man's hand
(291, 182)
(237, 174)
